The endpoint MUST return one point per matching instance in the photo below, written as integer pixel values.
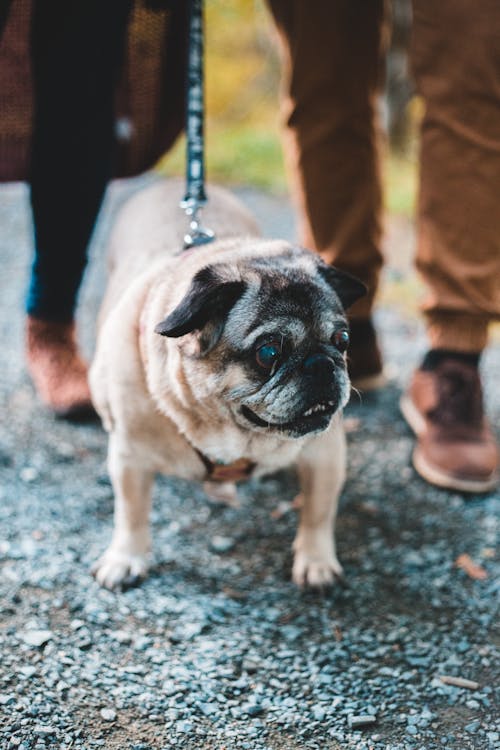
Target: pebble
(250, 665)
(27, 672)
(221, 544)
(108, 714)
(36, 637)
(184, 727)
(472, 727)
(122, 636)
(28, 474)
(318, 713)
(207, 709)
(252, 709)
(44, 731)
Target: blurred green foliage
(242, 102)
(400, 180)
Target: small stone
(250, 665)
(472, 727)
(108, 714)
(252, 709)
(414, 559)
(170, 688)
(121, 636)
(221, 544)
(27, 671)
(184, 727)
(361, 720)
(207, 709)
(28, 474)
(44, 731)
(186, 632)
(473, 704)
(83, 643)
(318, 712)
(36, 638)
(7, 698)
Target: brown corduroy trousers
(333, 53)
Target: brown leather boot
(455, 447)
(57, 369)
(364, 361)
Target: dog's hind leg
(321, 467)
(127, 558)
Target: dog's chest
(217, 457)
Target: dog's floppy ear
(208, 300)
(348, 288)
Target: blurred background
(242, 92)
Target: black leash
(195, 197)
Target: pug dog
(221, 362)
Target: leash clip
(197, 234)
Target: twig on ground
(459, 682)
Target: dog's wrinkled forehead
(293, 288)
(292, 298)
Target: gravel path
(217, 649)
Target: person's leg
(456, 63)
(76, 51)
(4, 14)
(76, 48)
(333, 67)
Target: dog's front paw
(119, 569)
(311, 570)
(315, 563)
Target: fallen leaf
(473, 570)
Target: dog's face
(266, 340)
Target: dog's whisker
(358, 393)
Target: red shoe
(57, 369)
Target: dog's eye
(268, 355)
(340, 340)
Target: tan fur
(157, 401)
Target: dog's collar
(233, 472)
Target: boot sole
(431, 473)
